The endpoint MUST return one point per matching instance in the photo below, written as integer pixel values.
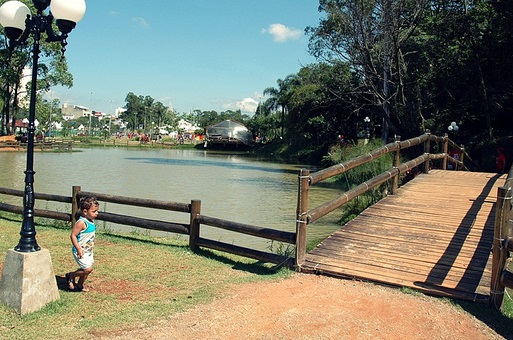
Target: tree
(371, 36)
(279, 97)
(46, 114)
(134, 113)
(468, 45)
(322, 106)
(53, 71)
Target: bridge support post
(445, 150)
(427, 150)
(462, 156)
(499, 249)
(301, 217)
(395, 164)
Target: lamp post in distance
(453, 127)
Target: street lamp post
(18, 25)
(366, 123)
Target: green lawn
(137, 280)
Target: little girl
(82, 239)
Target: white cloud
(140, 22)
(282, 33)
(246, 105)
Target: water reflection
(241, 187)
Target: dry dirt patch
(316, 307)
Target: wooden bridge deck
(435, 236)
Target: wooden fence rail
(192, 228)
(48, 145)
(502, 243)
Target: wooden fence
(502, 243)
(48, 145)
(192, 229)
(305, 216)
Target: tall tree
(279, 97)
(134, 108)
(371, 36)
(468, 45)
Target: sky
(195, 54)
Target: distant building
(187, 127)
(74, 111)
(228, 132)
(119, 111)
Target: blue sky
(194, 54)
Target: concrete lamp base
(28, 281)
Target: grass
(137, 281)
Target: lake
(239, 187)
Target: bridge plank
(435, 236)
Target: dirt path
(316, 307)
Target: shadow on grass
(144, 240)
(497, 321)
(257, 267)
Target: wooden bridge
(435, 235)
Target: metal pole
(27, 241)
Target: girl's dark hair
(87, 202)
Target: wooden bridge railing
(502, 243)
(192, 228)
(306, 216)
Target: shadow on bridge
(434, 235)
(477, 265)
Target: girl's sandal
(71, 284)
(82, 289)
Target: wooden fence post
(301, 216)
(194, 228)
(446, 149)
(462, 156)
(395, 164)
(499, 251)
(74, 203)
(427, 149)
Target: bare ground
(316, 307)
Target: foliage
(141, 112)
(408, 65)
(52, 70)
(371, 35)
(360, 174)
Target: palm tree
(279, 97)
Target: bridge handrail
(502, 243)
(336, 203)
(306, 179)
